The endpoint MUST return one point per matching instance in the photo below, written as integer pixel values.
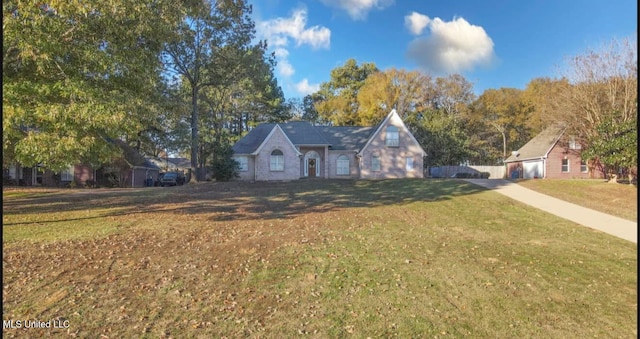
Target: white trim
(340, 162)
(546, 155)
(311, 155)
(562, 165)
(409, 161)
(264, 142)
(245, 161)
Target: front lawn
(397, 258)
(620, 200)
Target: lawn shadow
(236, 200)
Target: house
(551, 154)
(81, 175)
(166, 164)
(131, 170)
(295, 150)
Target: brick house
(295, 150)
(130, 170)
(551, 154)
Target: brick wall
(392, 159)
(333, 165)
(249, 173)
(554, 164)
(279, 141)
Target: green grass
(616, 199)
(403, 258)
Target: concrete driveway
(613, 225)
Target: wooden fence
(471, 171)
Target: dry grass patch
(405, 258)
(616, 199)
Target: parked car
(172, 179)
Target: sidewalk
(616, 226)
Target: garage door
(533, 169)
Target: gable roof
(171, 164)
(392, 114)
(131, 156)
(540, 146)
(180, 162)
(303, 133)
(273, 130)
(250, 142)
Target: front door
(312, 168)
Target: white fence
(471, 171)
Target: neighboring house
(171, 164)
(182, 164)
(80, 175)
(131, 170)
(551, 154)
(294, 150)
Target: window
(583, 166)
(375, 163)
(276, 162)
(392, 138)
(565, 165)
(12, 171)
(409, 164)
(343, 165)
(244, 165)
(67, 175)
(573, 144)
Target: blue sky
(492, 43)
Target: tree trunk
(194, 135)
(504, 145)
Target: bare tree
(604, 82)
(604, 102)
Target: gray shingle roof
(347, 137)
(303, 133)
(540, 145)
(250, 142)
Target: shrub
(224, 166)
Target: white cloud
(304, 88)
(452, 47)
(358, 9)
(278, 31)
(285, 68)
(416, 22)
(281, 52)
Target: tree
(546, 98)
(76, 75)
(442, 136)
(338, 98)
(604, 101)
(224, 166)
(453, 95)
(604, 85)
(203, 50)
(232, 107)
(407, 92)
(615, 147)
(504, 112)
